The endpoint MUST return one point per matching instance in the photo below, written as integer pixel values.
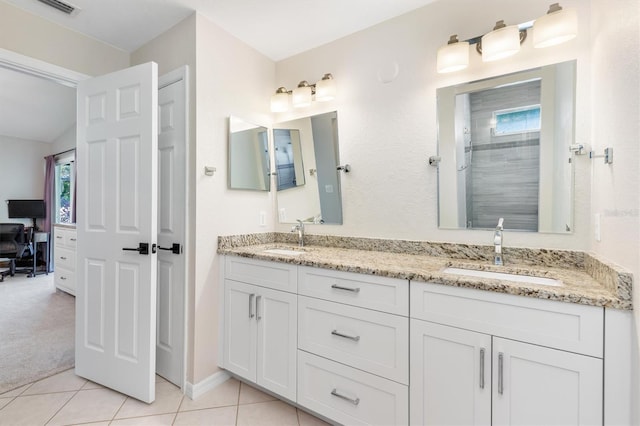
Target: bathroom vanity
(361, 335)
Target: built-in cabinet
(261, 325)
(64, 254)
(547, 371)
(363, 349)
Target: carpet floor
(37, 330)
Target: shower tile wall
(503, 180)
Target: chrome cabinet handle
(258, 307)
(63, 278)
(346, 336)
(354, 290)
(356, 401)
(251, 314)
(481, 368)
(500, 373)
(63, 258)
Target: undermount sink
(286, 252)
(529, 279)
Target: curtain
(49, 176)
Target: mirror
(504, 151)
(311, 185)
(249, 165)
(288, 154)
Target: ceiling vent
(62, 6)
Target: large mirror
(504, 148)
(248, 156)
(307, 159)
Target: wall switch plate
(596, 227)
(263, 218)
(282, 215)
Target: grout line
(61, 407)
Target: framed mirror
(311, 160)
(504, 151)
(249, 166)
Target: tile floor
(66, 399)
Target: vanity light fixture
(502, 42)
(303, 95)
(453, 56)
(557, 26)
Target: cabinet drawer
(350, 396)
(367, 291)
(65, 280)
(369, 340)
(566, 326)
(59, 237)
(65, 258)
(279, 276)
(70, 238)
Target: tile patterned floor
(66, 399)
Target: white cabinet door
(260, 342)
(240, 329)
(450, 376)
(534, 385)
(276, 316)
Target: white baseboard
(204, 386)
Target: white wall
(21, 172)
(616, 123)
(233, 79)
(39, 38)
(66, 141)
(388, 131)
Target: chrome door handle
(251, 314)
(346, 336)
(356, 401)
(354, 290)
(259, 317)
(481, 368)
(175, 248)
(500, 373)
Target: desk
(40, 238)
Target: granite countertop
(585, 279)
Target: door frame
(182, 74)
(39, 68)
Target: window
(517, 120)
(64, 190)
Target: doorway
(171, 309)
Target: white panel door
(277, 318)
(117, 200)
(171, 226)
(450, 376)
(534, 385)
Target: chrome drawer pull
(346, 336)
(258, 316)
(356, 401)
(500, 373)
(63, 278)
(72, 239)
(63, 258)
(482, 368)
(337, 287)
(251, 296)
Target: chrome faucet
(300, 228)
(497, 243)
